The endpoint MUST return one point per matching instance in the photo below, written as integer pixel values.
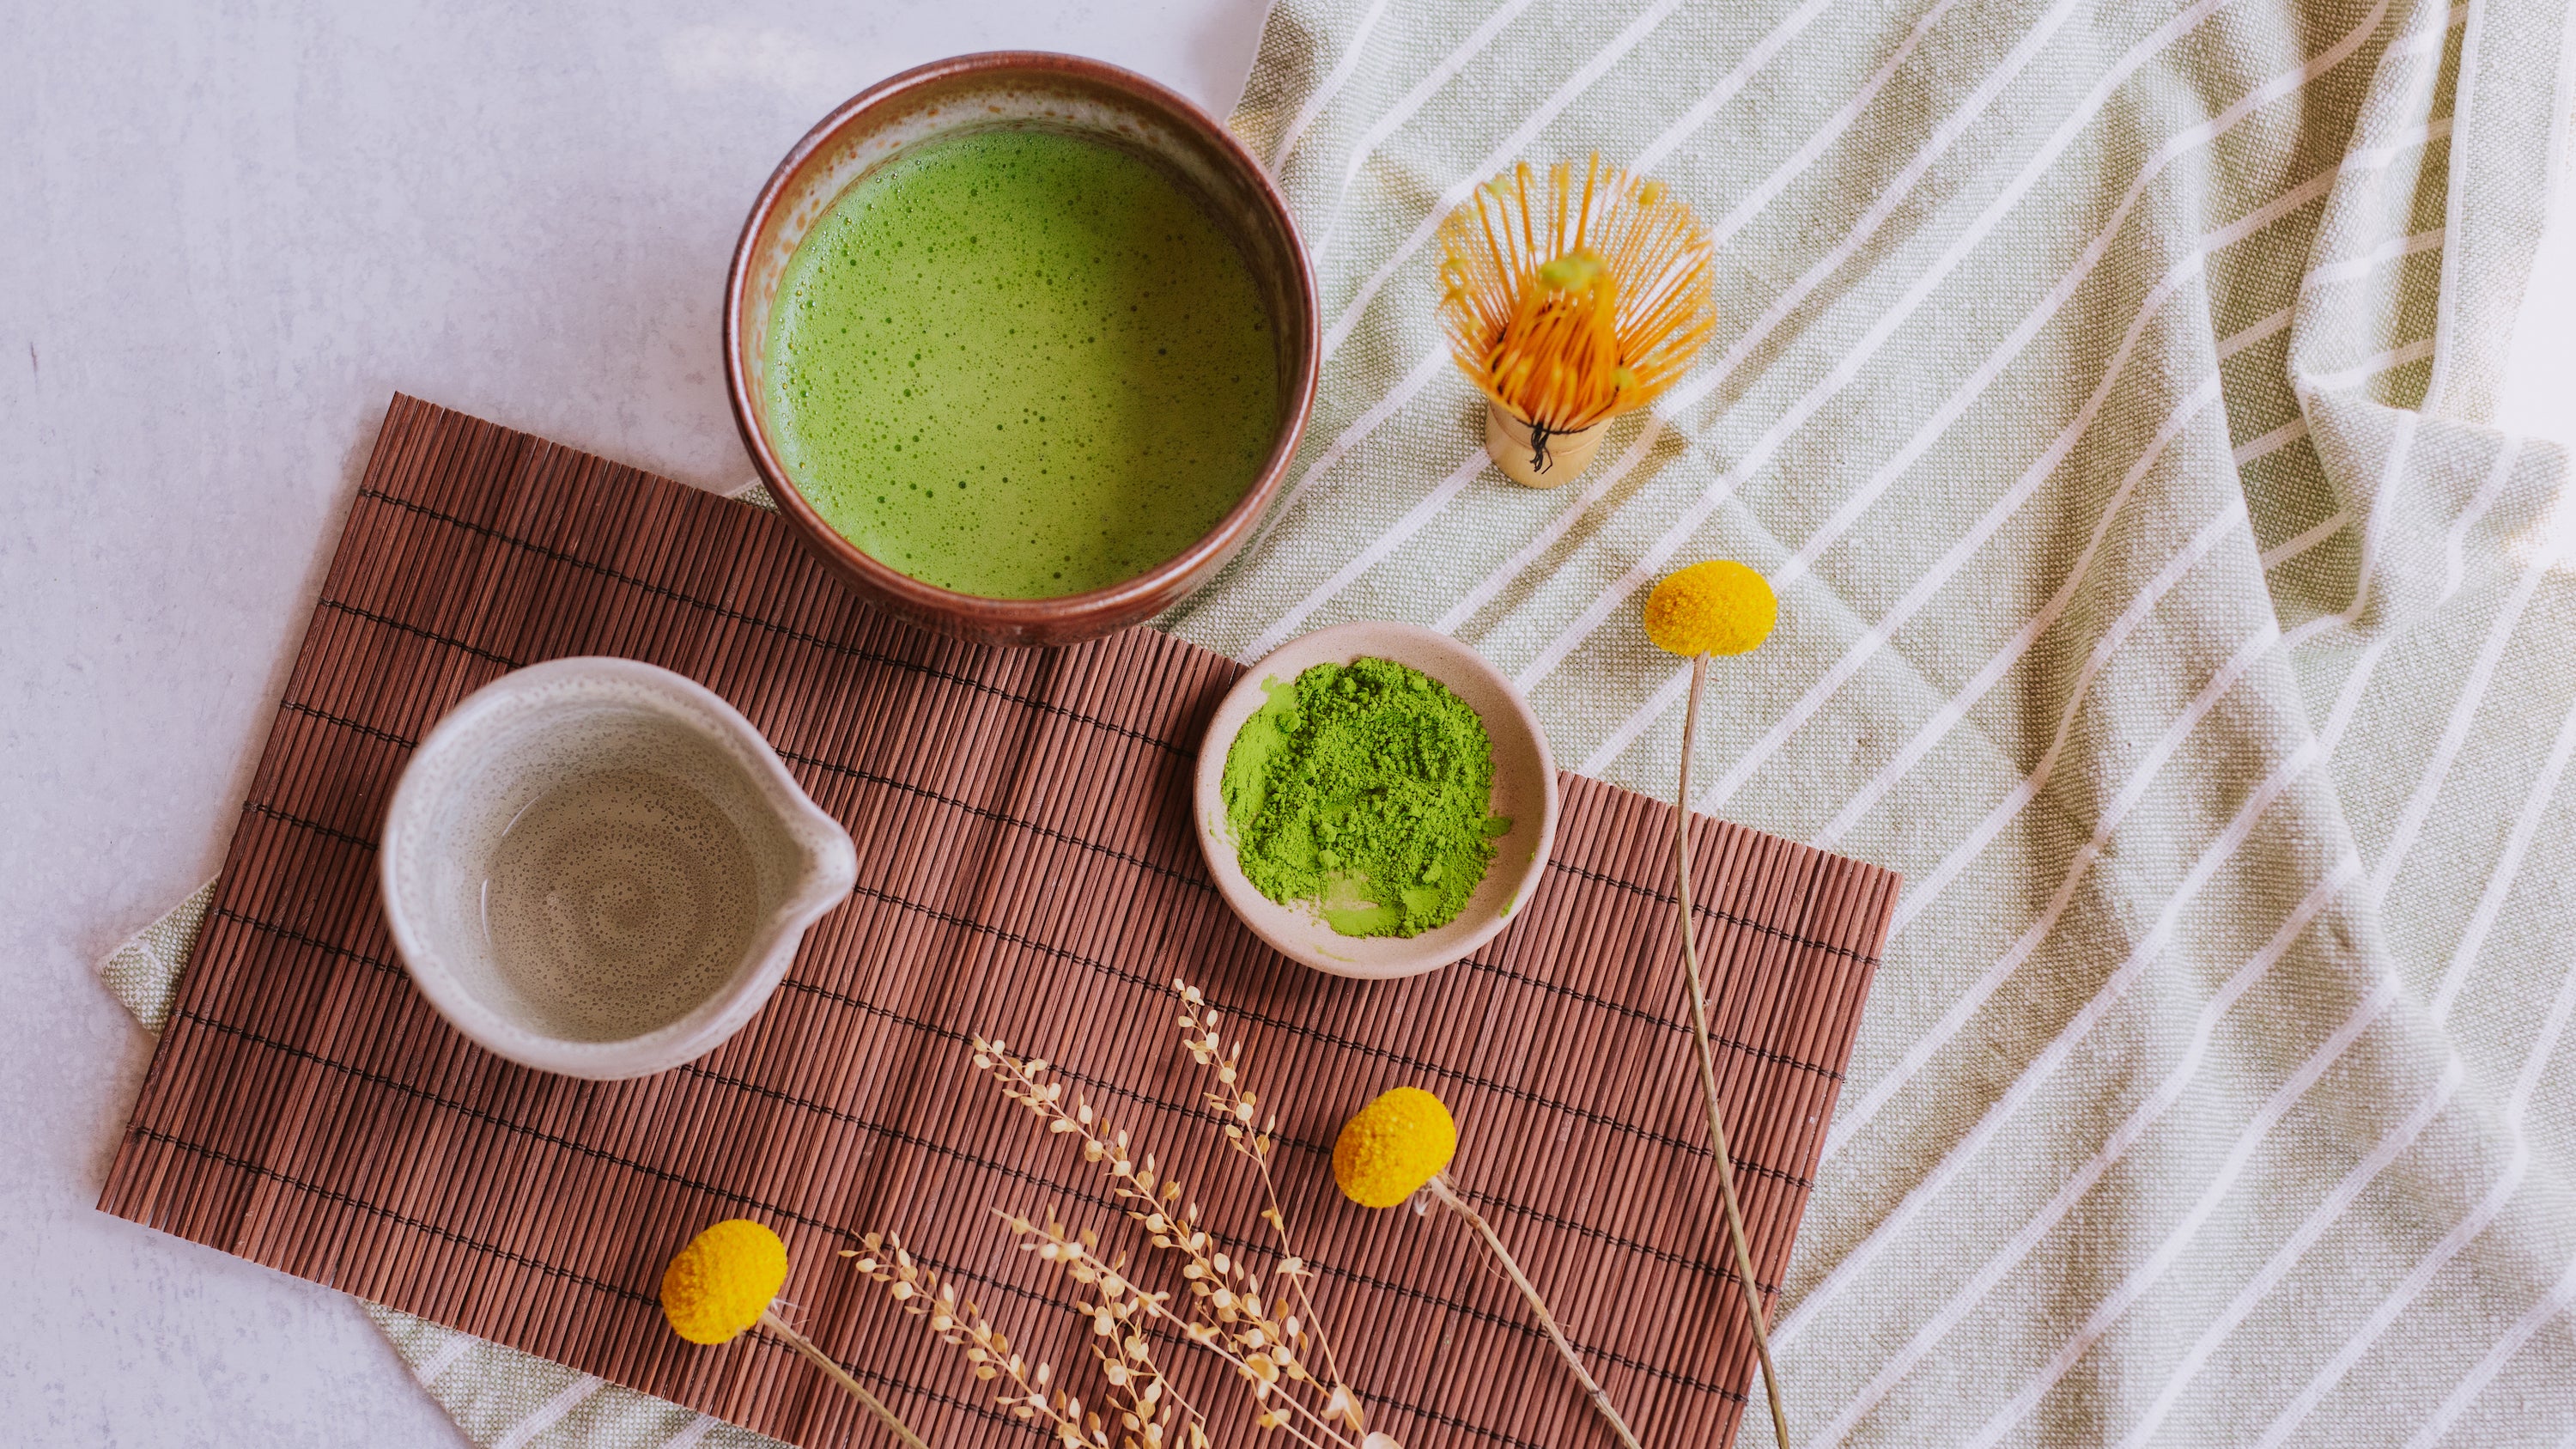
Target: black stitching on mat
(1620, 1008)
(1520, 1093)
(1551, 987)
(150, 1134)
(1399, 1289)
(1000, 818)
(849, 771)
(1717, 1271)
(1053, 1305)
(963, 923)
(1652, 894)
(723, 611)
(1664, 1023)
(316, 826)
(1495, 1320)
(370, 731)
(373, 617)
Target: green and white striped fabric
(2102, 387)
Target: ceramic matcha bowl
(1024, 91)
(1524, 793)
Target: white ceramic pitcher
(598, 867)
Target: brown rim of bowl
(1067, 618)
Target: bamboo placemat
(1027, 871)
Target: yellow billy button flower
(1399, 1145)
(1718, 607)
(720, 1284)
(1393, 1147)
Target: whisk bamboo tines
(1569, 303)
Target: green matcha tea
(1020, 364)
(1366, 788)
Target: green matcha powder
(1364, 788)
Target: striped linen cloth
(2100, 385)
(2102, 388)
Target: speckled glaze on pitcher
(598, 867)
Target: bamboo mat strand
(1028, 873)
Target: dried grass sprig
(1226, 1295)
(1262, 1326)
(1236, 1104)
(1265, 1366)
(1150, 1397)
(1569, 305)
(1032, 1394)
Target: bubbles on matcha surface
(1020, 364)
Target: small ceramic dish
(1524, 793)
(598, 867)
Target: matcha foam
(1020, 364)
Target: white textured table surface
(226, 234)
(223, 242)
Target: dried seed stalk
(1031, 1395)
(1235, 1103)
(1226, 1297)
(1264, 1367)
(1150, 1397)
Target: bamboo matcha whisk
(1568, 304)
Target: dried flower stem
(1708, 1062)
(821, 1360)
(1226, 1296)
(1128, 1363)
(1440, 1187)
(1054, 1243)
(1136, 1380)
(1199, 1036)
(960, 1324)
